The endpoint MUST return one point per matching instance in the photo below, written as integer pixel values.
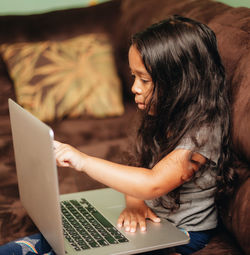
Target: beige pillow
(69, 78)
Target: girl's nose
(136, 89)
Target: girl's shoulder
(205, 140)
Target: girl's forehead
(133, 52)
(135, 61)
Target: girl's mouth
(141, 106)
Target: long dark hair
(190, 92)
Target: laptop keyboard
(85, 228)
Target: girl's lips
(141, 106)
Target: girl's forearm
(133, 181)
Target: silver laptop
(77, 223)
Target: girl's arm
(169, 173)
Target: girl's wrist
(83, 163)
(133, 201)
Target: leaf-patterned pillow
(69, 78)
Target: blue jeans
(198, 240)
(37, 244)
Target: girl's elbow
(151, 192)
(149, 187)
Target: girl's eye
(144, 81)
(134, 76)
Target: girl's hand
(135, 214)
(68, 156)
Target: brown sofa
(109, 138)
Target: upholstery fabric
(107, 138)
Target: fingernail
(132, 230)
(127, 228)
(143, 229)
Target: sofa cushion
(232, 30)
(241, 108)
(68, 78)
(146, 12)
(235, 211)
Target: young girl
(182, 149)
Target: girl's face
(143, 86)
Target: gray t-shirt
(197, 209)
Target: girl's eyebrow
(139, 72)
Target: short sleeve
(206, 141)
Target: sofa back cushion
(232, 29)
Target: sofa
(110, 136)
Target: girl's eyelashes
(144, 81)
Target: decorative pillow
(65, 79)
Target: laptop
(77, 223)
